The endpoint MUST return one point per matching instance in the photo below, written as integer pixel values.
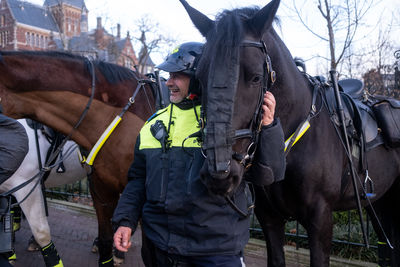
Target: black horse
(236, 67)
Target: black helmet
(184, 58)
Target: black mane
(112, 72)
(227, 36)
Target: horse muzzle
(222, 183)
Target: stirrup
(369, 186)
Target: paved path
(73, 233)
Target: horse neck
(291, 90)
(59, 100)
(61, 111)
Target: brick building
(61, 25)
(24, 26)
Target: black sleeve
(14, 145)
(269, 162)
(130, 204)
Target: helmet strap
(194, 87)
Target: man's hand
(122, 238)
(268, 108)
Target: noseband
(253, 132)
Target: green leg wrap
(16, 222)
(384, 254)
(50, 256)
(12, 257)
(16, 212)
(107, 263)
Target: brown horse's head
(235, 71)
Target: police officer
(185, 225)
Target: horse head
(235, 70)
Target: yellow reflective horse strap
(103, 138)
(306, 125)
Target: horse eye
(256, 79)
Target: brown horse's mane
(113, 73)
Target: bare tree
(151, 40)
(374, 53)
(342, 19)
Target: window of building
(3, 38)
(2, 21)
(37, 40)
(27, 38)
(128, 63)
(6, 38)
(41, 41)
(32, 39)
(46, 42)
(75, 26)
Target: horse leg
(319, 225)
(273, 227)
(389, 219)
(104, 201)
(33, 208)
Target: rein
(108, 131)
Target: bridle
(253, 132)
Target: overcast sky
(174, 21)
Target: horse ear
(200, 21)
(264, 18)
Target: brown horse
(243, 57)
(54, 89)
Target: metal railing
(345, 234)
(348, 234)
(77, 189)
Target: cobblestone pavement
(73, 233)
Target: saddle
(360, 122)
(54, 138)
(360, 109)
(380, 110)
(359, 116)
(387, 112)
(370, 120)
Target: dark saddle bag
(6, 225)
(387, 112)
